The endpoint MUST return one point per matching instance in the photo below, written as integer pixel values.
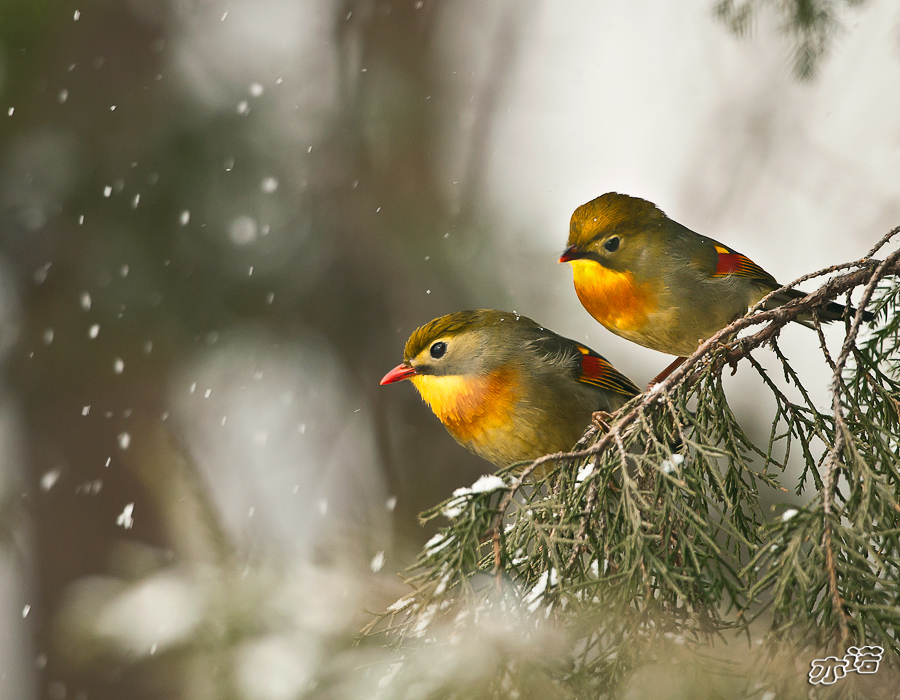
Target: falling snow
(125, 518)
(49, 479)
(40, 275)
(243, 231)
(377, 562)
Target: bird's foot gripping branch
(659, 539)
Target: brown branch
(782, 315)
(822, 343)
(881, 243)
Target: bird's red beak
(399, 373)
(571, 253)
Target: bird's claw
(600, 420)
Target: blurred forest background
(219, 222)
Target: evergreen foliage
(812, 25)
(649, 543)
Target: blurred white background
(219, 222)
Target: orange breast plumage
(611, 297)
(471, 408)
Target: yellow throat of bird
(611, 297)
(469, 406)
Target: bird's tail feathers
(831, 311)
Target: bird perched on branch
(506, 388)
(653, 281)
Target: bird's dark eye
(612, 244)
(438, 349)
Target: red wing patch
(597, 371)
(733, 263)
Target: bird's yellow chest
(611, 297)
(471, 408)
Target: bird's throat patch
(469, 407)
(611, 297)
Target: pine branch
(653, 530)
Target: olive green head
(614, 230)
(467, 342)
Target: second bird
(655, 282)
(506, 388)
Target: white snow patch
(669, 465)
(454, 508)
(400, 604)
(437, 543)
(487, 484)
(533, 597)
(584, 472)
